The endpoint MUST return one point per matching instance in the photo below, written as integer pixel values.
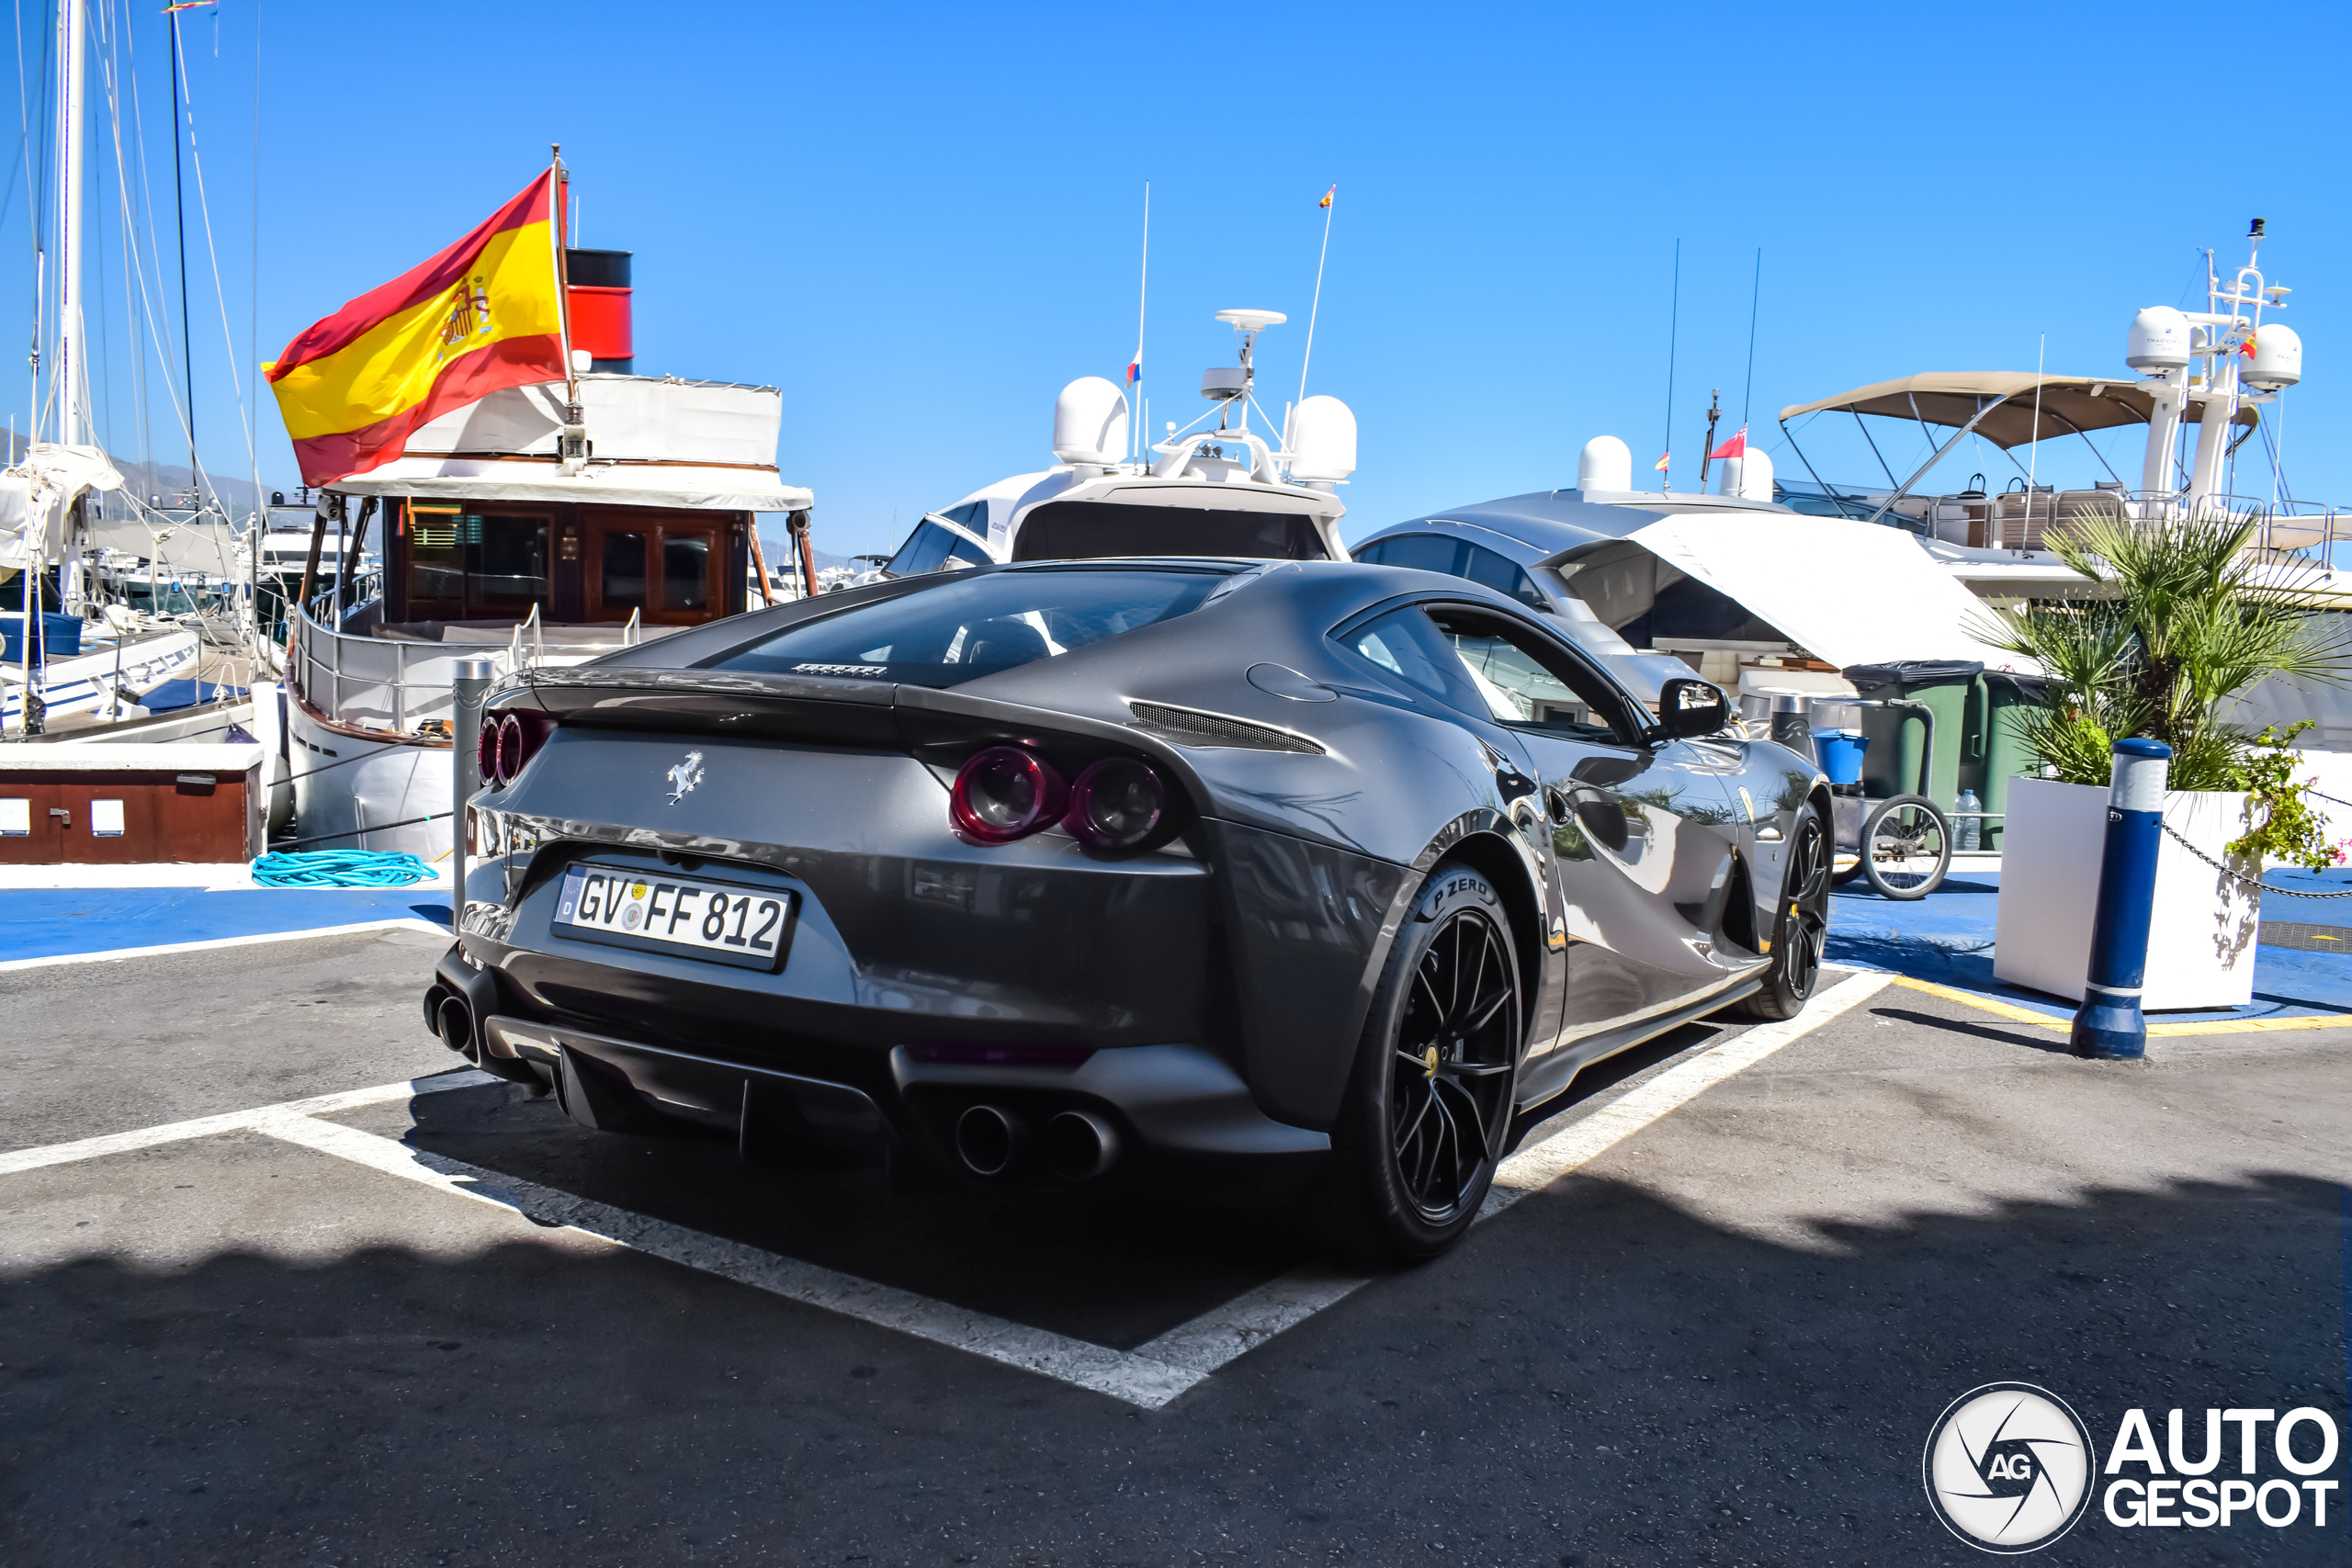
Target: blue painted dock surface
(44, 922)
(1947, 937)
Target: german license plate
(693, 917)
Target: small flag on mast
(1735, 448)
(1663, 459)
(1328, 196)
(1135, 371)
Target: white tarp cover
(602, 484)
(1846, 592)
(35, 493)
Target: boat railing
(2287, 526)
(402, 685)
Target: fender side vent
(1190, 727)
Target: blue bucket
(1842, 753)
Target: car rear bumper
(1175, 1112)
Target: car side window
(1528, 684)
(1408, 645)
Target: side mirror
(1686, 708)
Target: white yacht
(1223, 489)
(494, 544)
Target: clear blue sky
(920, 221)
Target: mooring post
(2109, 1025)
(474, 678)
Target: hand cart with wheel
(1901, 844)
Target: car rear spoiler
(937, 726)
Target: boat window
(471, 566)
(1456, 557)
(931, 547)
(966, 628)
(1091, 530)
(685, 571)
(624, 584)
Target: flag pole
(1329, 207)
(561, 193)
(1673, 331)
(1755, 298)
(1135, 367)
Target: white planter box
(2200, 936)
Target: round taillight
(514, 747)
(1117, 804)
(1003, 794)
(487, 750)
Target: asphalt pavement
(1723, 1338)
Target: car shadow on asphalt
(1600, 1377)
(1116, 1267)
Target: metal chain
(2174, 834)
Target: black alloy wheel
(1800, 925)
(1432, 1099)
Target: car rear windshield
(1092, 530)
(962, 630)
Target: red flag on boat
(1735, 448)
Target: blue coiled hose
(340, 868)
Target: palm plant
(2187, 618)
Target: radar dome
(1091, 424)
(2276, 360)
(1604, 463)
(1322, 440)
(2158, 340)
(1748, 477)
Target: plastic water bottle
(1968, 829)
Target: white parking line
(1149, 1376)
(1139, 1380)
(233, 1122)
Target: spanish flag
(1328, 196)
(484, 314)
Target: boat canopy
(654, 440)
(2002, 403)
(1846, 591)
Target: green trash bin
(2005, 758)
(1899, 738)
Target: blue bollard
(2109, 1025)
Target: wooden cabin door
(668, 571)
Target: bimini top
(2070, 405)
(654, 440)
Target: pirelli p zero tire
(1429, 1104)
(1799, 926)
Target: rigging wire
(228, 337)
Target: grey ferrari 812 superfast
(1302, 881)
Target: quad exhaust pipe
(1078, 1145)
(987, 1137)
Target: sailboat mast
(71, 384)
